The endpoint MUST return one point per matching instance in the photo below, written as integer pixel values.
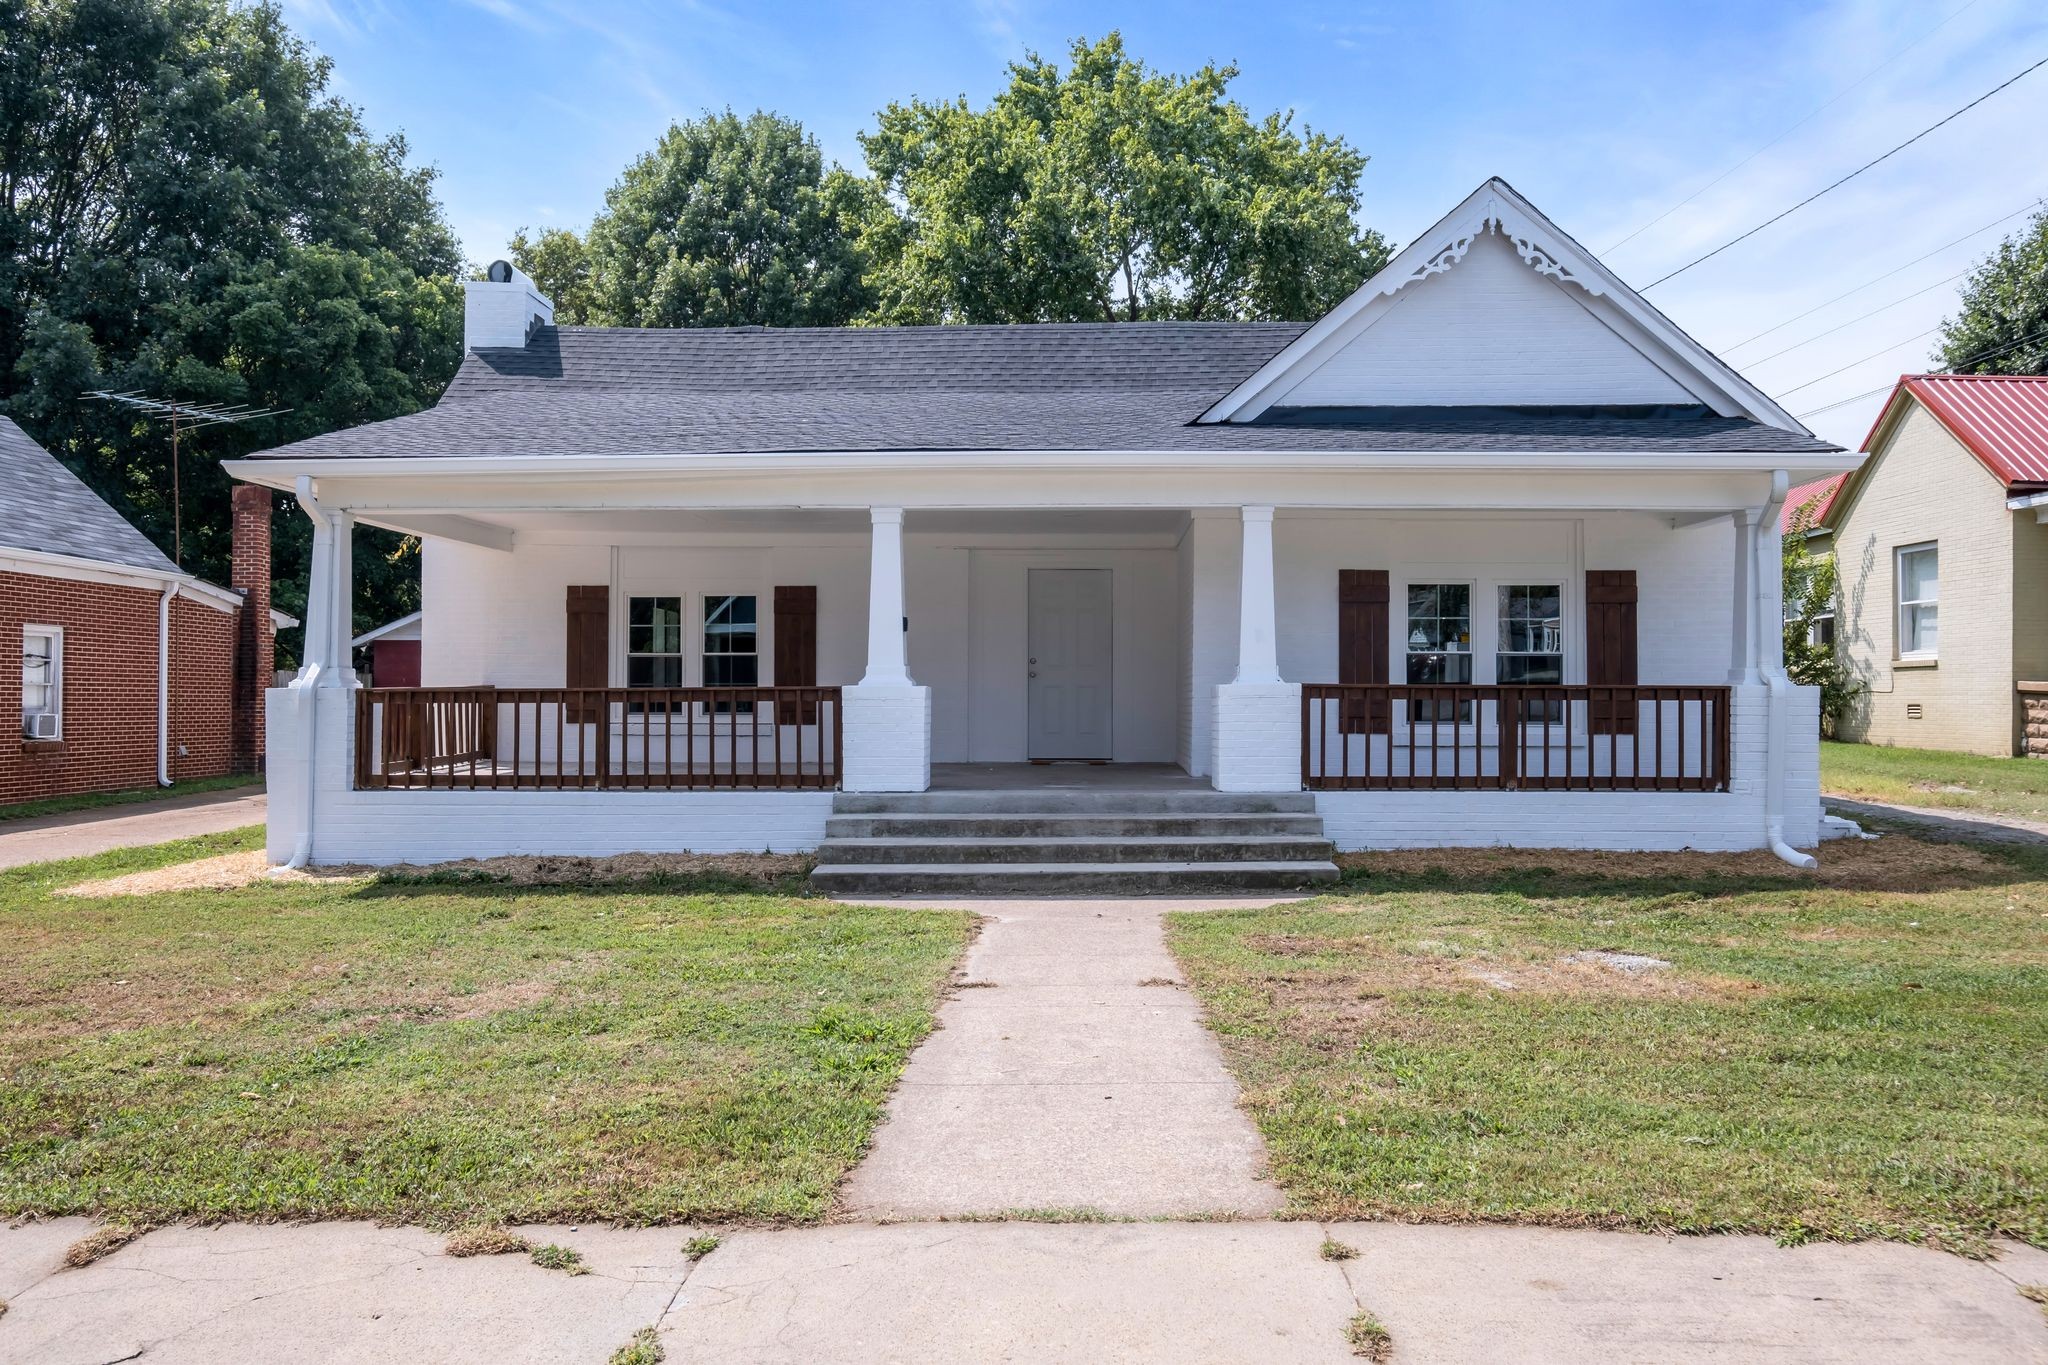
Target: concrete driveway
(82, 833)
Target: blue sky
(1605, 114)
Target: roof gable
(1531, 298)
(47, 509)
(2001, 419)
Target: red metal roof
(2002, 419)
(1808, 504)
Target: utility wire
(1989, 354)
(1853, 321)
(1880, 279)
(1818, 111)
(1854, 363)
(1845, 179)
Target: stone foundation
(2034, 719)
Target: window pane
(728, 626)
(1536, 670)
(728, 670)
(1919, 577)
(1922, 629)
(654, 670)
(1440, 668)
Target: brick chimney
(255, 637)
(504, 308)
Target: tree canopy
(729, 221)
(1110, 192)
(185, 210)
(2003, 325)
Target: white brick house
(1486, 556)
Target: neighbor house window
(1529, 649)
(1440, 646)
(1821, 631)
(654, 642)
(42, 682)
(731, 657)
(1919, 588)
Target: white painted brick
(888, 743)
(1258, 737)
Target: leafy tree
(1110, 192)
(1811, 588)
(184, 209)
(2003, 325)
(729, 221)
(559, 262)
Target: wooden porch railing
(618, 739)
(1374, 737)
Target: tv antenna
(183, 417)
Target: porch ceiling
(820, 521)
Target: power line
(1845, 179)
(1853, 321)
(1990, 354)
(1817, 112)
(1854, 363)
(1880, 279)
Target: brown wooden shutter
(1362, 649)
(796, 650)
(1611, 646)
(589, 647)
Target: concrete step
(1259, 848)
(1073, 802)
(1069, 879)
(1061, 825)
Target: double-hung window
(1917, 573)
(42, 682)
(654, 647)
(731, 647)
(1529, 643)
(1439, 647)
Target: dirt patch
(222, 873)
(487, 1242)
(528, 870)
(1298, 945)
(100, 1242)
(1896, 862)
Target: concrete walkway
(82, 833)
(1945, 823)
(1182, 1292)
(1070, 1070)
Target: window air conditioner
(39, 725)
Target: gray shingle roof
(1092, 386)
(44, 507)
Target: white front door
(1070, 663)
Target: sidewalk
(82, 833)
(1181, 1292)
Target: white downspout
(163, 685)
(319, 612)
(1768, 579)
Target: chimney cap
(500, 272)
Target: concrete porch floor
(1098, 777)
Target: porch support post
(1257, 715)
(341, 610)
(888, 718)
(1742, 654)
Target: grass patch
(565, 1259)
(644, 1349)
(1843, 1055)
(700, 1246)
(1334, 1250)
(486, 1242)
(1936, 778)
(62, 805)
(100, 1243)
(1369, 1337)
(455, 1055)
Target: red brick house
(133, 673)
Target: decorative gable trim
(1495, 207)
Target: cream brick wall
(1925, 486)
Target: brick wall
(109, 682)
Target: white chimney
(504, 309)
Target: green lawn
(1935, 777)
(446, 1053)
(61, 805)
(1860, 1055)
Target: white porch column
(1742, 651)
(341, 612)
(1257, 716)
(888, 718)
